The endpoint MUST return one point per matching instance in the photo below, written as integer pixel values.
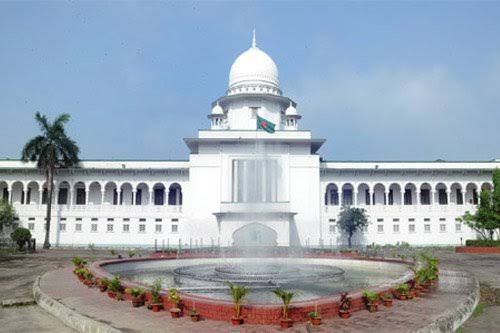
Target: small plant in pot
(103, 284)
(80, 272)
(195, 316)
(115, 288)
(237, 293)
(78, 262)
(345, 305)
(137, 296)
(401, 291)
(371, 299)
(156, 304)
(315, 316)
(387, 299)
(89, 279)
(175, 298)
(286, 298)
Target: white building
(247, 186)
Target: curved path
(87, 310)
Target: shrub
(345, 302)
(314, 314)
(115, 285)
(78, 262)
(402, 288)
(21, 236)
(136, 291)
(155, 291)
(482, 243)
(386, 296)
(370, 296)
(174, 296)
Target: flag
(266, 125)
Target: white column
(87, 195)
(133, 197)
(417, 199)
(103, 192)
(70, 195)
(151, 194)
(355, 198)
(56, 195)
(448, 196)
(385, 197)
(40, 195)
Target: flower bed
(477, 249)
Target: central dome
(254, 72)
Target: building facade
(247, 182)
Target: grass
(478, 310)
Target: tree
(20, 236)
(7, 214)
(52, 150)
(352, 220)
(486, 220)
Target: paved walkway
(408, 316)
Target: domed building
(253, 178)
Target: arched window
(175, 195)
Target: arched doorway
(255, 234)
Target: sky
(378, 80)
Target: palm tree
(286, 298)
(52, 150)
(237, 293)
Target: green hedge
(482, 243)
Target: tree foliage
(486, 219)
(51, 150)
(352, 220)
(7, 214)
(21, 236)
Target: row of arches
(93, 193)
(403, 194)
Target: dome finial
(254, 42)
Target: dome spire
(254, 42)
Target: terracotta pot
(103, 288)
(286, 323)
(137, 301)
(156, 307)
(175, 312)
(316, 321)
(402, 297)
(372, 307)
(195, 317)
(344, 314)
(237, 320)
(112, 294)
(388, 302)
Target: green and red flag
(264, 124)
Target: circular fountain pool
(310, 278)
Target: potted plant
(370, 299)
(78, 262)
(387, 299)
(155, 304)
(80, 273)
(103, 284)
(175, 298)
(115, 288)
(137, 296)
(195, 316)
(89, 279)
(401, 291)
(345, 305)
(237, 293)
(286, 298)
(315, 316)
